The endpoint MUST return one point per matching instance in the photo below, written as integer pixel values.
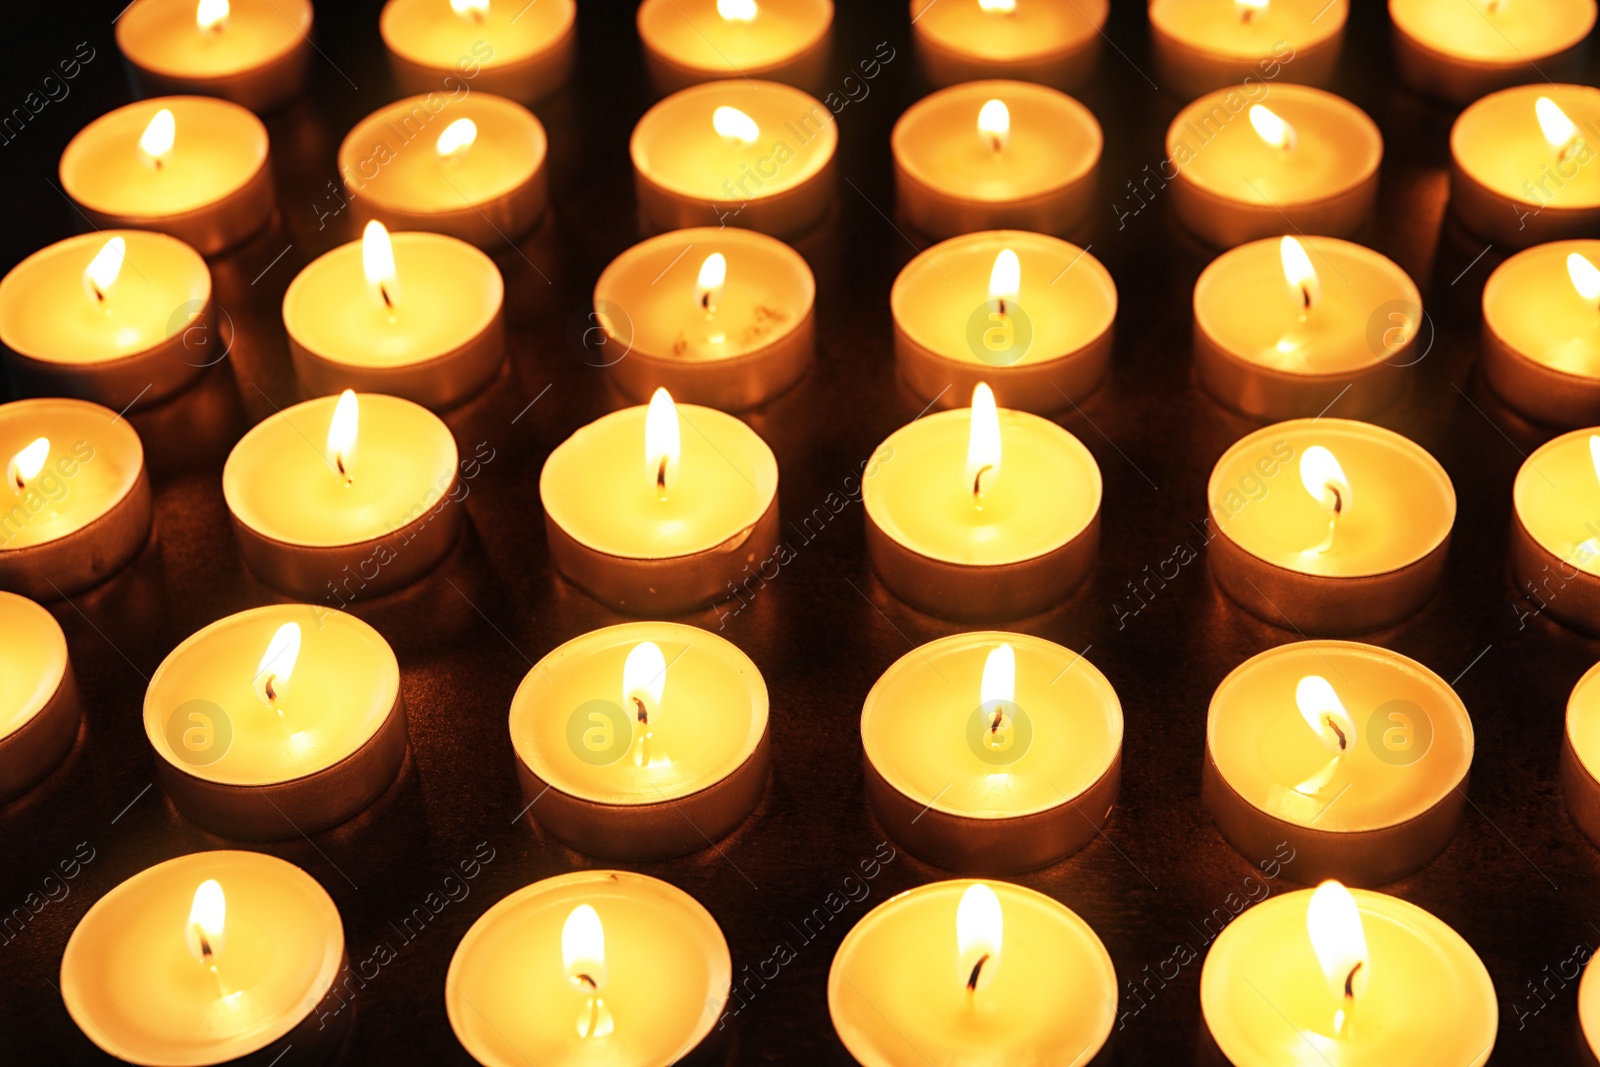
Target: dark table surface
(1518, 881)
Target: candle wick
(977, 479)
(641, 712)
(1000, 304)
(588, 981)
(1350, 984)
(661, 477)
(1344, 742)
(999, 718)
(1305, 297)
(383, 291)
(977, 968)
(270, 690)
(1338, 499)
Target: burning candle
(982, 512)
(344, 497)
(642, 741)
(1202, 45)
(992, 752)
(1329, 526)
(105, 317)
(1308, 163)
(1555, 529)
(190, 166)
(1518, 176)
(691, 41)
(39, 708)
(252, 52)
(752, 153)
(996, 155)
(1541, 332)
(207, 959)
(1303, 725)
(471, 167)
(1029, 314)
(673, 533)
(1285, 327)
(1459, 55)
(521, 51)
(276, 722)
(720, 317)
(1019, 40)
(963, 971)
(1580, 756)
(1349, 976)
(75, 504)
(416, 316)
(617, 967)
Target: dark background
(1518, 881)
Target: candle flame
(475, 10)
(979, 930)
(1324, 479)
(207, 914)
(27, 464)
(342, 430)
(994, 124)
(998, 7)
(983, 443)
(708, 287)
(1005, 280)
(1249, 9)
(277, 664)
(737, 10)
(1557, 128)
(583, 949)
(644, 676)
(1325, 713)
(101, 273)
(377, 263)
(1272, 129)
(735, 125)
(456, 139)
(1304, 284)
(1585, 276)
(211, 15)
(999, 676)
(662, 439)
(1334, 922)
(156, 141)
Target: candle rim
(652, 14)
(1162, 23)
(1495, 321)
(146, 19)
(1464, 137)
(929, 21)
(44, 630)
(1583, 706)
(120, 441)
(1589, 1008)
(1529, 478)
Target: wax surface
(218, 148)
(1243, 302)
(1054, 142)
(1067, 295)
(278, 481)
(94, 462)
(33, 660)
(596, 487)
(713, 713)
(1047, 492)
(431, 34)
(449, 294)
(1214, 26)
(896, 996)
(162, 35)
(1402, 503)
(46, 314)
(1214, 145)
(1557, 497)
(1531, 305)
(692, 34)
(649, 294)
(1428, 997)
(130, 983)
(1589, 1008)
(916, 720)
(340, 693)
(1519, 32)
(1499, 143)
(1035, 28)
(667, 963)
(1583, 720)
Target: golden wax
(1037, 40)
(690, 41)
(1201, 45)
(256, 57)
(1541, 337)
(39, 710)
(520, 51)
(1460, 53)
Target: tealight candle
(1348, 977)
(190, 166)
(992, 753)
(692, 41)
(39, 709)
(1201, 45)
(341, 497)
(1555, 529)
(982, 513)
(106, 317)
(1019, 40)
(207, 959)
(1541, 332)
(471, 167)
(417, 316)
(277, 721)
(1303, 725)
(1308, 163)
(521, 51)
(1580, 754)
(642, 741)
(995, 155)
(1517, 174)
(75, 505)
(964, 971)
(1329, 526)
(1029, 314)
(658, 509)
(252, 52)
(1285, 327)
(589, 967)
(720, 317)
(1459, 55)
(755, 154)
(1589, 1012)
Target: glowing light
(1557, 128)
(983, 443)
(708, 287)
(1272, 129)
(994, 124)
(1325, 713)
(737, 10)
(456, 139)
(277, 664)
(207, 914)
(583, 953)
(342, 431)
(377, 262)
(644, 676)
(101, 273)
(1300, 274)
(998, 7)
(26, 464)
(662, 440)
(999, 676)
(1249, 9)
(156, 140)
(1585, 276)
(979, 930)
(1324, 479)
(1005, 280)
(211, 15)
(1334, 922)
(735, 125)
(473, 10)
